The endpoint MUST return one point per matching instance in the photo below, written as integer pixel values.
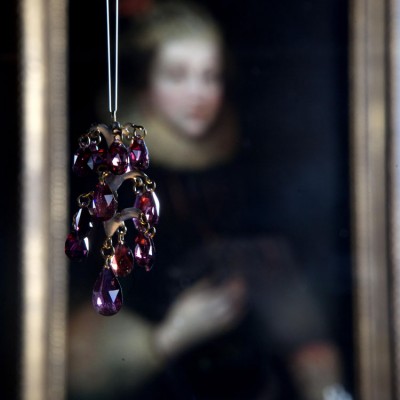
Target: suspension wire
(112, 86)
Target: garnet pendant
(76, 248)
(107, 293)
(104, 205)
(150, 205)
(118, 158)
(122, 261)
(139, 155)
(144, 252)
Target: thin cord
(112, 107)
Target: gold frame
(44, 198)
(374, 151)
(375, 181)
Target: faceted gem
(150, 205)
(118, 158)
(122, 261)
(139, 154)
(82, 222)
(107, 293)
(98, 158)
(83, 162)
(104, 205)
(144, 252)
(76, 248)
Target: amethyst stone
(83, 162)
(144, 252)
(104, 205)
(82, 222)
(76, 248)
(118, 158)
(139, 154)
(122, 261)
(148, 203)
(107, 293)
(99, 157)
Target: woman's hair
(166, 21)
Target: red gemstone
(76, 248)
(99, 157)
(139, 154)
(82, 222)
(144, 252)
(118, 158)
(83, 162)
(104, 205)
(148, 203)
(122, 261)
(107, 293)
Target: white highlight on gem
(113, 294)
(109, 198)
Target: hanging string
(112, 83)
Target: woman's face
(185, 84)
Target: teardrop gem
(104, 205)
(98, 157)
(139, 155)
(122, 261)
(144, 252)
(107, 293)
(83, 162)
(76, 248)
(150, 205)
(82, 222)
(118, 158)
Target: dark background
(291, 93)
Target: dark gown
(210, 227)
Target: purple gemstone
(144, 252)
(107, 293)
(104, 205)
(148, 203)
(76, 248)
(139, 154)
(98, 158)
(83, 163)
(82, 222)
(118, 158)
(122, 261)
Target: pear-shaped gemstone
(122, 261)
(82, 222)
(118, 158)
(104, 204)
(149, 204)
(76, 248)
(98, 156)
(144, 253)
(107, 293)
(83, 162)
(139, 155)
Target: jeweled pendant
(83, 163)
(107, 293)
(144, 253)
(104, 205)
(122, 261)
(118, 158)
(139, 155)
(76, 248)
(150, 205)
(82, 222)
(98, 158)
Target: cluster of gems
(114, 153)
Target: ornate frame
(44, 192)
(375, 180)
(375, 185)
